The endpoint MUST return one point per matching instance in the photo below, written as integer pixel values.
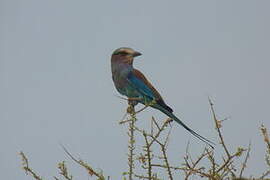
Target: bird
(132, 83)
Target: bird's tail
(171, 115)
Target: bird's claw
(130, 109)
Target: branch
(131, 144)
(244, 165)
(26, 167)
(63, 171)
(218, 126)
(89, 169)
(148, 155)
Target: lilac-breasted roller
(132, 83)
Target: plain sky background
(55, 78)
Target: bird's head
(125, 55)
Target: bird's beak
(136, 53)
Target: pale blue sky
(56, 85)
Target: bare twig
(265, 174)
(63, 171)
(160, 129)
(190, 168)
(244, 165)
(267, 155)
(266, 138)
(218, 126)
(89, 169)
(148, 155)
(163, 149)
(155, 122)
(26, 167)
(165, 158)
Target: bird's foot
(134, 101)
(131, 109)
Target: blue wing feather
(140, 86)
(146, 89)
